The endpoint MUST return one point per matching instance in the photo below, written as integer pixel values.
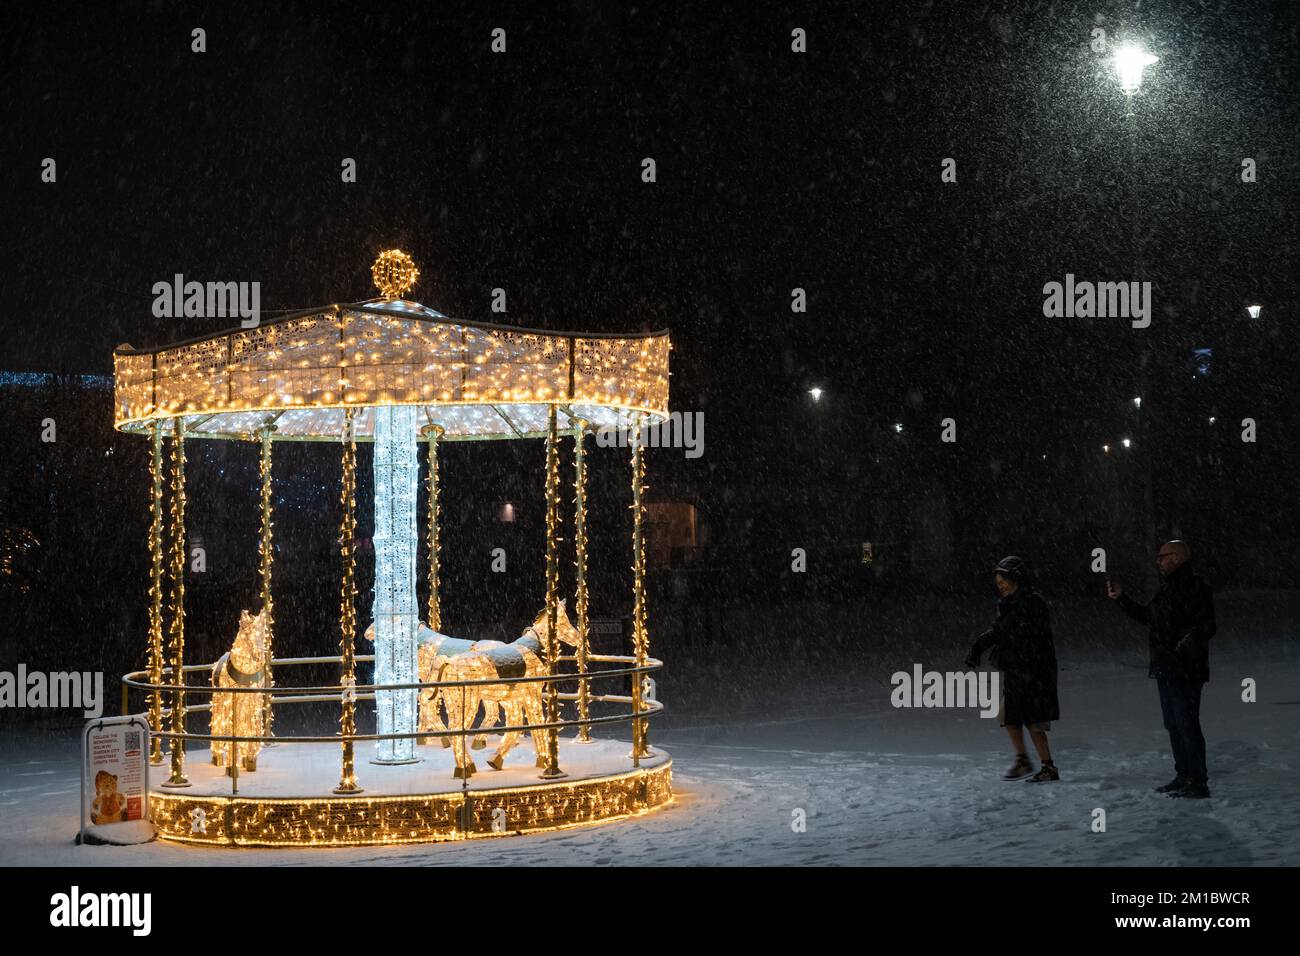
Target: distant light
(507, 512)
(1127, 443)
(1106, 449)
(816, 394)
(1212, 419)
(1202, 359)
(1129, 61)
(898, 427)
(1137, 401)
(1254, 310)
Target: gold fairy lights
(348, 608)
(177, 633)
(640, 636)
(265, 562)
(406, 819)
(242, 715)
(581, 600)
(325, 361)
(552, 649)
(156, 566)
(432, 433)
(394, 273)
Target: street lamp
(1254, 310)
(1129, 62)
(816, 394)
(1127, 443)
(1137, 401)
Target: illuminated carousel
(401, 375)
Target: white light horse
(443, 658)
(240, 715)
(486, 660)
(433, 651)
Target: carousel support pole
(432, 433)
(264, 569)
(177, 747)
(347, 606)
(640, 638)
(552, 692)
(580, 563)
(156, 566)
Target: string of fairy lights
(394, 274)
(156, 567)
(640, 636)
(552, 648)
(348, 609)
(265, 562)
(177, 633)
(581, 599)
(396, 466)
(307, 368)
(432, 434)
(405, 819)
(195, 385)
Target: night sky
(775, 170)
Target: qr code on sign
(132, 740)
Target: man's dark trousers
(1180, 705)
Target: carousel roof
(475, 380)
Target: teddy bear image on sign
(109, 806)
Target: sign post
(115, 781)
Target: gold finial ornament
(394, 273)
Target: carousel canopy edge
(299, 372)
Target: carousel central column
(397, 473)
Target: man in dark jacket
(1180, 619)
(1021, 644)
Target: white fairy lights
(397, 469)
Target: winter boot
(1173, 786)
(1195, 790)
(1048, 772)
(1021, 768)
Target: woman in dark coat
(1021, 644)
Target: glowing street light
(1254, 310)
(1127, 443)
(1129, 62)
(816, 394)
(1106, 449)
(1137, 401)
(898, 427)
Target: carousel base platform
(289, 801)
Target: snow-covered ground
(878, 785)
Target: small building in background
(670, 533)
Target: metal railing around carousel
(326, 693)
